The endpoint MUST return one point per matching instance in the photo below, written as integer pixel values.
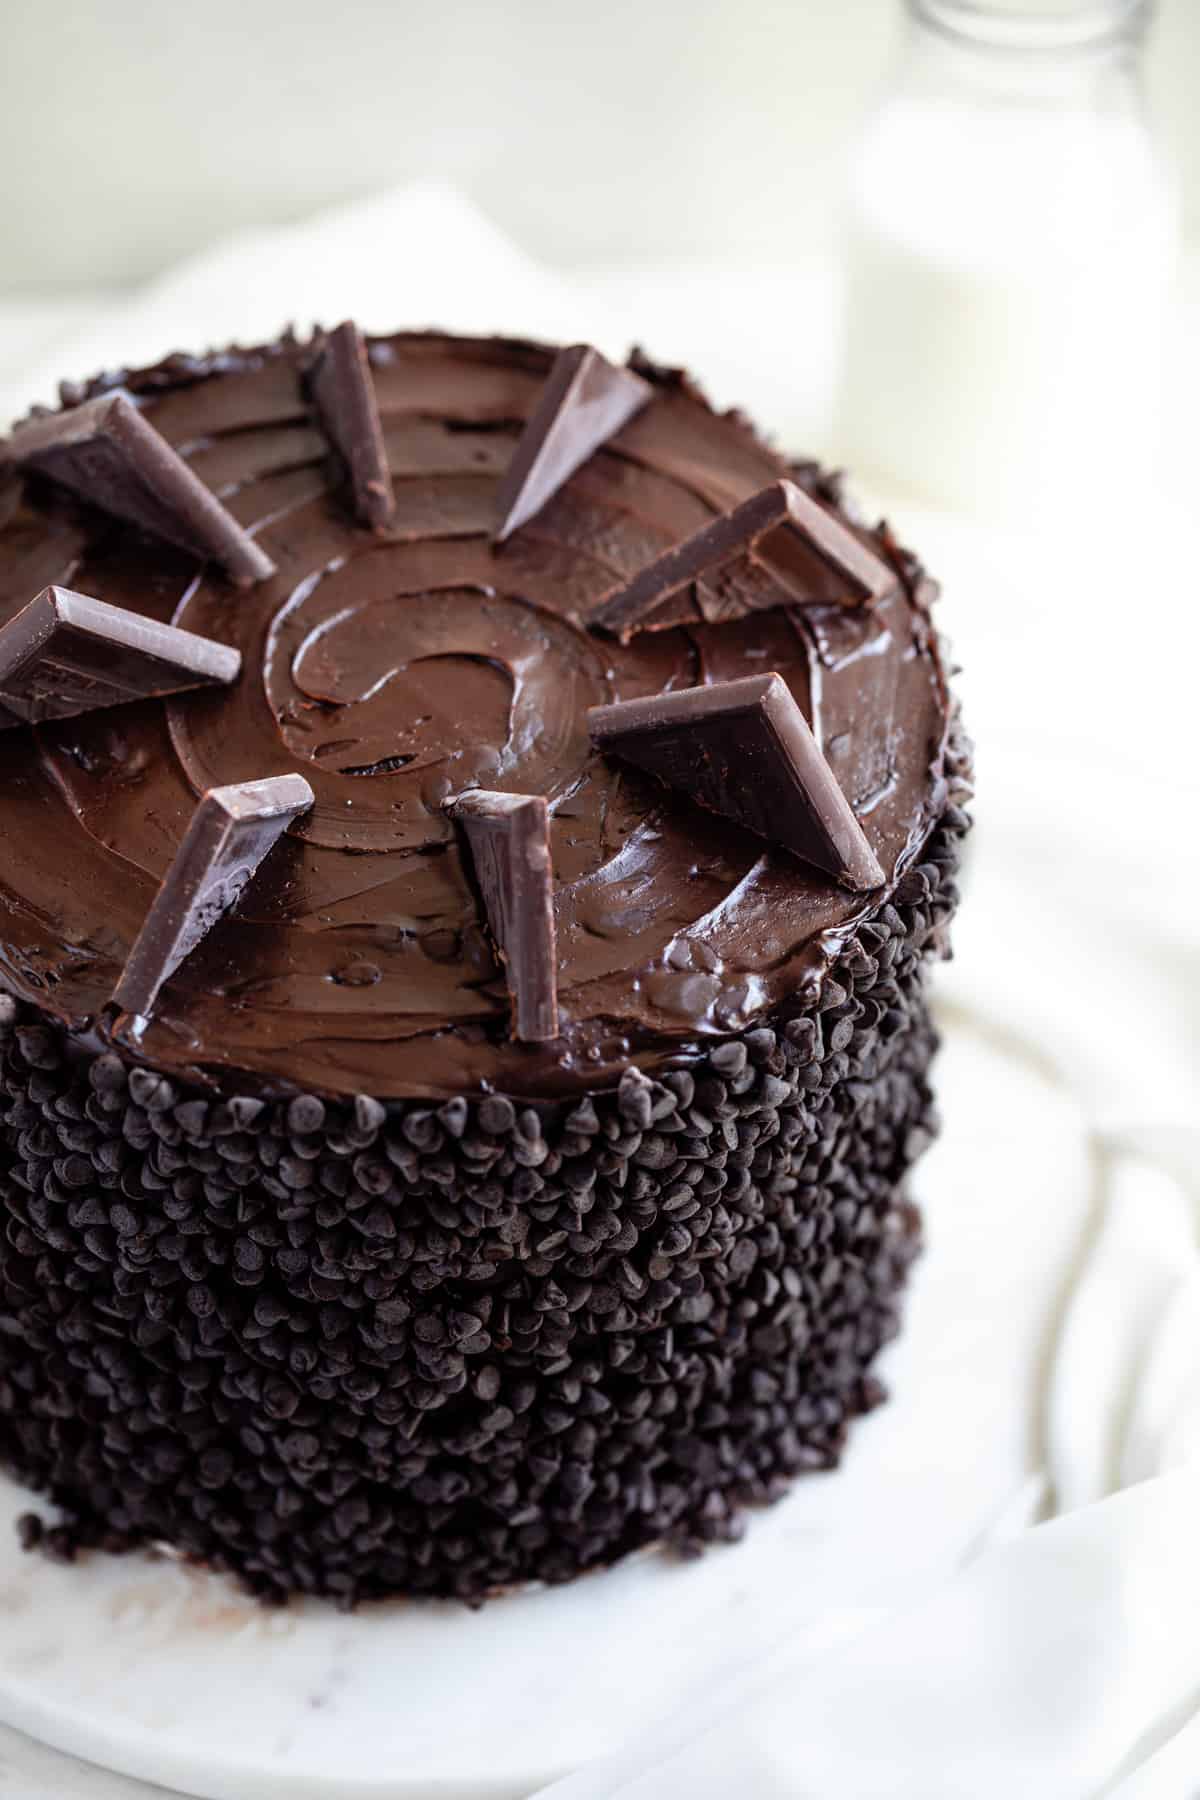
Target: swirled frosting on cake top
(398, 666)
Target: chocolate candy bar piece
(744, 749)
(585, 401)
(230, 833)
(779, 547)
(66, 653)
(508, 837)
(111, 456)
(343, 397)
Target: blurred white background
(638, 130)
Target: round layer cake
(320, 1268)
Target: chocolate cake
(474, 829)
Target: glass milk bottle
(1012, 236)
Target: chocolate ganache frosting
(396, 667)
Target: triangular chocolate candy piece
(744, 749)
(230, 833)
(111, 456)
(66, 654)
(586, 401)
(779, 546)
(508, 836)
(343, 397)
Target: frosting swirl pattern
(395, 669)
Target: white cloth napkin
(1108, 1001)
(1053, 1667)
(1062, 1660)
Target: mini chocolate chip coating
(111, 456)
(66, 654)
(231, 831)
(509, 839)
(585, 402)
(343, 396)
(780, 538)
(744, 749)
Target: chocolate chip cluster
(357, 1350)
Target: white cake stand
(150, 1668)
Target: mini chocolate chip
(497, 1115)
(583, 1119)
(728, 1059)
(192, 1117)
(305, 1115)
(635, 1098)
(245, 1110)
(802, 1034)
(30, 1529)
(453, 1117)
(150, 1090)
(107, 1074)
(369, 1114)
(38, 1047)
